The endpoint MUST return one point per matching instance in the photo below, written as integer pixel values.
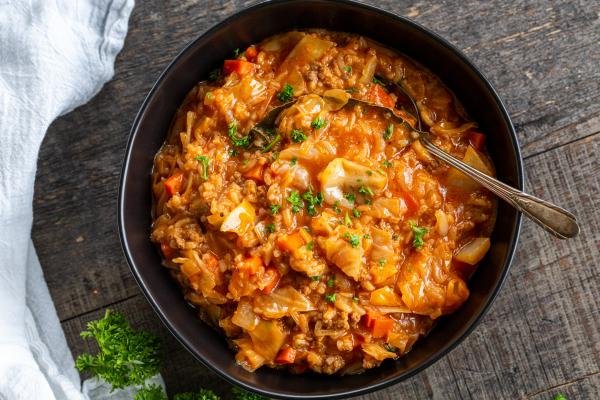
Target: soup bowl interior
(194, 64)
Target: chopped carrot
(167, 250)
(378, 324)
(240, 66)
(477, 140)
(271, 279)
(286, 355)
(251, 53)
(378, 95)
(255, 173)
(252, 264)
(173, 183)
(291, 242)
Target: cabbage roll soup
(299, 215)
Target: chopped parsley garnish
(318, 123)
(347, 220)
(389, 131)
(418, 233)
(236, 53)
(331, 281)
(382, 262)
(272, 143)
(378, 81)
(348, 69)
(353, 239)
(365, 190)
(559, 396)
(296, 202)
(204, 161)
(233, 152)
(294, 161)
(286, 94)
(274, 208)
(310, 245)
(298, 136)
(350, 197)
(316, 278)
(312, 201)
(356, 213)
(243, 141)
(330, 297)
(271, 228)
(336, 207)
(387, 163)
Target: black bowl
(192, 65)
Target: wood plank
(541, 334)
(542, 56)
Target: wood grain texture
(541, 335)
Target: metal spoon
(558, 221)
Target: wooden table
(542, 334)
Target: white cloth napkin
(54, 56)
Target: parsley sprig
(205, 161)
(239, 141)
(296, 201)
(418, 233)
(126, 357)
(286, 94)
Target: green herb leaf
(382, 262)
(387, 163)
(296, 202)
(350, 197)
(330, 297)
(356, 213)
(270, 227)
(353, 239)
(294, 161)
(243, 141)
(331, 281)
(205, 162)
(202, 394)
(316, 278)
(318, 123)
(312, 201)
(310, 245)
(418, 233)
(126, 357)
(151, 392)
(559, 396)
(365, 191)
(274, 208)
(390, 348)
(348, 69)
(336, 207)
(297, 136)
(366, 236)
(272, 143)
(241, 394)
(236, 53)
(352, 90)
(286, 94)
(389, 131)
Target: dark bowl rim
(368, 388)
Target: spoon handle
(552, 218)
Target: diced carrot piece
(271, 279)
(252, 264)
(377, 94)
(287, 355)
(167, 250)
(378, 324)
(251, 53)
(477, 140)
(255, 173)
(173, 183)
(240, 66)
(291, 242)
